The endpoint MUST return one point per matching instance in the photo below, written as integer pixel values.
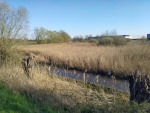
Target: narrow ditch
(107, 81)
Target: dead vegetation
(67, 95)
(120, 60)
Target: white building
(127, 36)
(133, 37)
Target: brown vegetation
(55, 91)
(119, 60)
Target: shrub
(115, 40)
(119, 41)
(45, 36)
(8, 54)
(56, 40)
(106, 41)
(93, 40)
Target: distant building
(148, 36)
(126, 36)
(132, 37)
(136, 37)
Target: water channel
(118, 84)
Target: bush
(56, 40)
(93, 40)
(45, 36)
(117, 41)
(106, 41)
(8, 54)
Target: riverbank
(58, 92)
(67, 95)
(119, 61)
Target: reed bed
(120, 60)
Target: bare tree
(110, 33)
(40, 34)
(13, 22)
(13, 25)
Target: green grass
(14, 103)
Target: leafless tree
(110, 33)
(13, 25)
(13, 22)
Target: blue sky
(85, 17)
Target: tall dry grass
(54, 91)
(119, 60)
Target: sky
(88, 17)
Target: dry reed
(52, 90)
(119, 60)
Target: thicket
(78, 39)
(8, 52)
(86, 39)
(45, 36)
(114, 40)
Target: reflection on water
(91, 78)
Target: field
(120, 60)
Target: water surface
(118, 84)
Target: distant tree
(56, 38)
(143, 39)
(88, 37)
(41, 34)
(78, 39)
(75, 39)
(44, 35)
(112, 38)
(110, 33)
(65, 36)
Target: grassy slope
(14, 103)
(60, 93)
(55, 91)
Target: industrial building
(148, 36)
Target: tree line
(45, 36)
